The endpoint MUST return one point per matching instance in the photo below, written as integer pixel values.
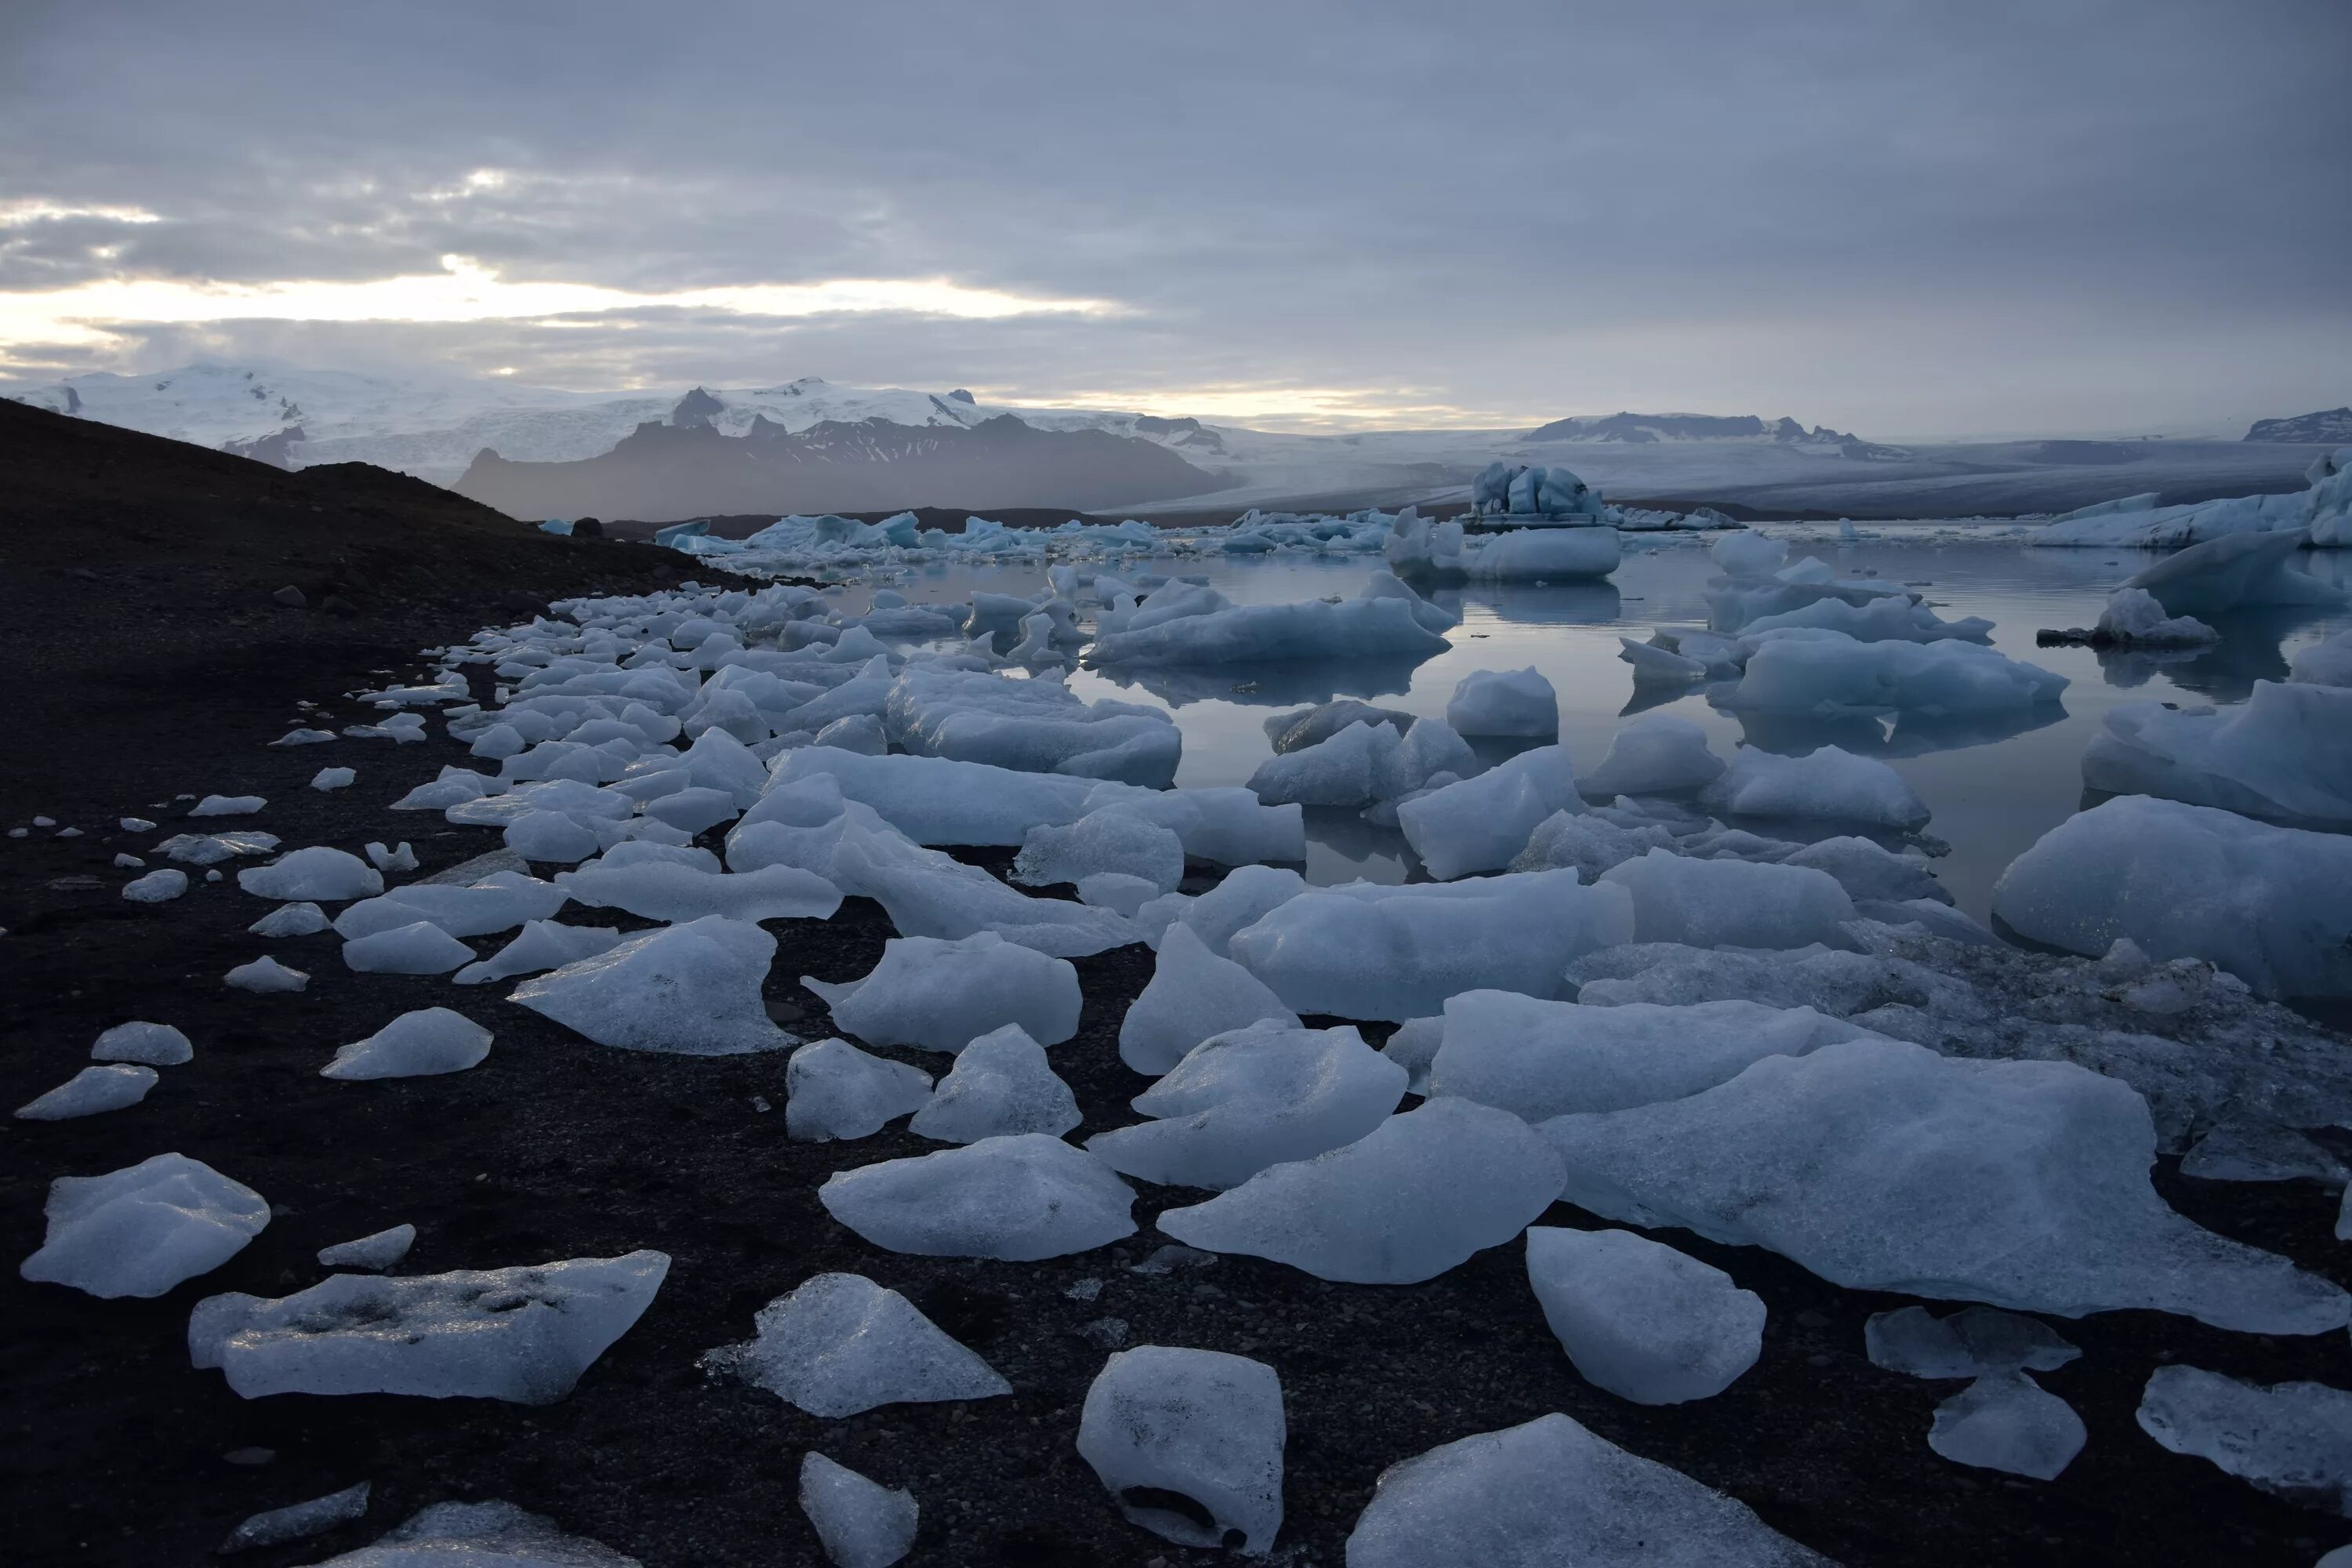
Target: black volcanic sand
(113, 1448)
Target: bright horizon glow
(1305, 410)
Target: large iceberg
(2284, 754)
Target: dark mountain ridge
(2329, 427)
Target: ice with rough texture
(1372, 950)
(157, 887)
(1504, 702)
(2133, 618)
(1255, 1097)
(662, 890)
(1640, 1319)
(839, 1345)
(938, 995)
(1108, 839)
(1552, 1493)
(1414, 1046)
(1035, 726)
(228, 805)
(2284, 754)
(1730, 904)
(2246, 1148)
(1019, 1198)
(1656, 753)
(833, 1090)
(1830, 674)
(2005, 1421)
(265, 977)
(1830, 783)
(523, 1334)
(1194, 993)
(2291, 1439)
(1973, 1342)
(297, 1522)
(318, 873)
(90, 1091)
(157, 1044)
(415, 1044)
(1538, 1059)
(481, 1535)
(1202, 1426)
(859, 1522)
(300, 919)
(540, 945)
(1481, 824)
(419, 948)
(1415, 1197)
(141, 1230)
(1001, 1084)
(1880, 1165)
(377, 1252)
(2234, 572)
(685, 990)
(1201, 626)
(2271, 905)
(2325, 663)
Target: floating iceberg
(1828, 784)
(1656, 753)
(1481, 824)
(1202, 626)
(2236, 572)
(1830, 674)
(2133, 618)
(141, 1230)
(1504, 702)
(1640, 1319)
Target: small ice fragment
(401, 860)
(1001, 1084)
(860, 1524)
(833, 1090)
(2005, 1421)
(297, 1522)
(157, 1044)
(685, 990)
(90, 1091)
(418, 948)
(265, 976)
(1641, 1320)
(1019, 1198)
(128, 862)
(379, 1251)
(156, 887)
(838, 1344)
(327, 779)
(492, 1534)
(939, 996)
(225, 805)
(300, 918)
(136, 824)
(329, 876)
(1971, 1343)
(416, 1045)
(304, 736)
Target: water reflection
(2251, 650)
(1291, 684)
(1558, 604)
(1901, 734)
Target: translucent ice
(834, 1091)
(318, 873)
(1480, 824)
(2132, 617)
(2231, 572)
(937, 994)
(1656, 753)
(265, 976)
(500, 901)
(1195, 1424)
(415, 1044)
(1105, 840)
(1830, 783)
(839, 1345)
(1194, 993)
(860, 1524)
(1214, 631)
(378, 1251)
(300, 919)
(1504, 702)
(1730, 904)
(522, 1334)
(90, 1091)
(228, 805)
(668, 891)
(157, 887)
(419, 948)
(1020, 1198)
(1001, 1084)
(2291, 1439)
(1640, 1319)
(540, 945)
(157, 1044)
(1418, 1195)
(297, 1522)
(2284, 754)
(685, 989)
(479, 1535)
(1972, 1342)
(1829, 674)
(141, 1230)
(2005, 1421)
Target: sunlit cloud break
(466, 291)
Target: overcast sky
(1904, 219)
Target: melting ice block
(1731, 903)
(378, 1251)
(419, 948)
(2005, 1421)
(1480, 824)
(481, 1535)
(1108, 839)
(1656, 753)
(1552, 1492)
(939, 995)
(90, 1091)
(2234, 571)
(1640, 1319)
(1198, 1424)
(1418, 1195)
(1001, 1084)
(1504, 702)
(524, 1335)
(685, 989)
(2291, 1439)
(664, 890)
(302, 918)
(1255, 1097)
(1974, 1342)
(140, 1230)
(838, 1344)
(1829, 673)
(1372, 950)
(318, 873)
(2271, 905)
(1882, 1166)
(1194, 993)
(541, 945)
(2284, 753)
(500, 902)
(265, 977)
(1019, 1198)
(833, 1090)
(860, 1524)
(1829, 783)
(1218, 632)
(415, 1044)
(157, 1044)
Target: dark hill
(2328, 427)
(667, 472)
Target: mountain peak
(2328, 427)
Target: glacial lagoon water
(1995, 786)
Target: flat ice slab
(2291, 1439)
(141, 1230)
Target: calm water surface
(1995, 786)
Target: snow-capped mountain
(1651, 429)
(2329, 427)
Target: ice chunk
(939, 995)
(1353, 767)
(1552, 1492)
(300, 919)
(860, 1524)
(500, 901)
(90, 1091)
(551, 837)
(1830, 783)
(1973, 1342)
(1418, 1195)
(1034, 726)
(1656, 753)
(415, 1044)
(2132, 617)
(1504, 702)
(1226, 825)
(1654, 665)
(541, 945)
(384, 859)
(1118, 892)
(2328, 663)
(327, 779)
(1829, 674)
(420, 948)
(1019, 1198)
(2284, 754)
(1246, 893)
(1108, 839)
(1369, 951)
(1255, 1097)
(1730, 904)
(1480, 824)
(228, 805)
(318, 873)
(2005, 1421)
(157, 1044)
(695, 808)
(2291, 1439)
(1586, 844)
(265, 976)
(685, 989)
(210, 849)
(2244, 1149)
(930, 894)
(141, 1230)
(1194, 993)
(1199, 1427)
(524, 1335)
(937, 800)
(1537, 1059)
(2271, 905)
(1881, 1165)
(1750, 554)
(1312, 726)
(1204, 628)
(297, 1522)
(839, 1345)
(1640, 1319)
(157, 887)
(1542, 554)
(836, 1091)
(668, 891)
(479, 1535)
(1414, 1046)
(1001, 1084)
(378, 1251)
(2234, 571)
